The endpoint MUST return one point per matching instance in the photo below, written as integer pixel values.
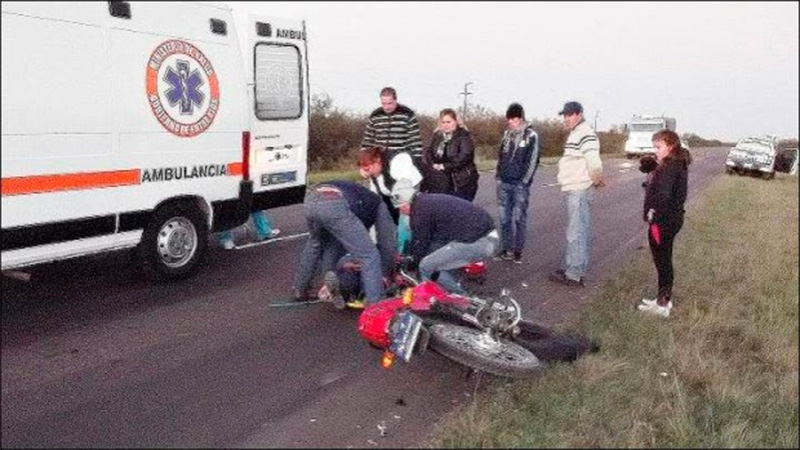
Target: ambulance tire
(174, 242)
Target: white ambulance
(145, 125)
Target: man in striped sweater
(579, 169)
(393, 127)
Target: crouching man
(447, 232)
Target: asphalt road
(94, 356)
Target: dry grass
(722, 371)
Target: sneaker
(272, 234)
(228, 245)
(559, 276)
(648, 301)
(332, 286)
(518, 257)
(356, 303)
(504, 256)
(655, 308)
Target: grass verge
(722, 371)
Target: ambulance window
(279, 82)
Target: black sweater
(666, 191)
(363, 202)
(442, 218)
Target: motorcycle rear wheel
(474, 348)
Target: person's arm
(385, 237)
(681, 189)
(590, 147)
(369, 135)
(421, 224)
(413, 137)
(660, 195)
(427, 152)
(500, 155)
(533, 158)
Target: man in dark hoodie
(517, 162)
(447, 232)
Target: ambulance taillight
(245, 155)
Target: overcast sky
(724, 70)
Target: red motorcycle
(472, 331)
(485, 334)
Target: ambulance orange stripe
(38, 184)
(235, 168)
(68, 182)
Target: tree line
(335, 134)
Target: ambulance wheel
(173, 243)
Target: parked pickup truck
(760, 156)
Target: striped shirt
(581, 165)
(395, 133)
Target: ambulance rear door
(277, 71)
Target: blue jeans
(579, 233)
(333, 231)
(455, 255)
(262, 224)
(512, 200)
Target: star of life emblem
(182, 88)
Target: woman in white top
(382, 177)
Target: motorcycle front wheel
(476, 349)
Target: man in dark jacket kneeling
(447, 232)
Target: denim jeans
(579, 233)
(455, 255)
(333, 231)
(512, 200)
(261, 223)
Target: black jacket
(441, 218)
(518, 165)
(363, 202)
(666, 191)
(460, 173)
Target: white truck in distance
(640, 134)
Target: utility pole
(596, 113)
(465, 94)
